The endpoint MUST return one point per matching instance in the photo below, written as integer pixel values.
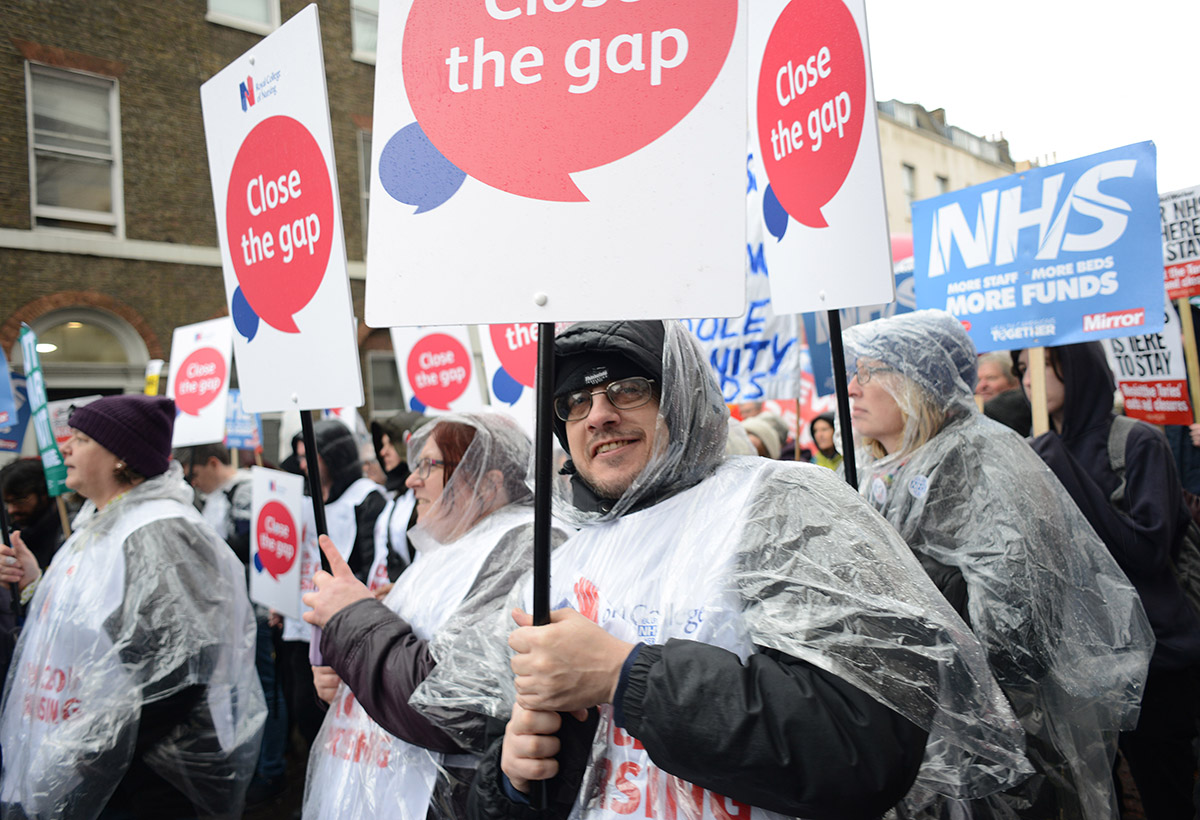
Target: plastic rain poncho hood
(1064, 630)
(143, 602)
(752, 554)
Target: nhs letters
(1052, 256)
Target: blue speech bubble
(258, 562)
(506, 388)
(416, 404)
(414, 172)
(775, 217)
(244, 317)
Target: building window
(258, 16)
(910, 182)
(364, 25)
(74, 150)
(384, 384)
(943, 185)
(364, 182)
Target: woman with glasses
(1065, 633)
(375, 756)
(133, 690)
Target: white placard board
(437, 369)
(198, 381)
(276, 535)
(279, 224)
(812, 109)
(589, 168)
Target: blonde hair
(915, 403)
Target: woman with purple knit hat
(133, 690)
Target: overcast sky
(1056, 77)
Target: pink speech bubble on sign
(279, 219)
(439, 370)
(199, 380)
(812, 87)
(521, 93)
(277, 539)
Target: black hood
(335, 444)
(1088, 385)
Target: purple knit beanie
(134, 428)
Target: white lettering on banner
(999, 219)
(1118, 318)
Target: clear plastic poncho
(1064, 630)
(143, 602)
(357, 768)
(747, 553)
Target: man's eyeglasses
(623, 394)
(864, 374)
(425, 467)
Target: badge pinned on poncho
(879, 491)
(918, 486)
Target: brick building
(107, 232)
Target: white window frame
(253, 26)
(116, 219)
(909, 181)
(364, 182)
(356, 53)
(387, 412)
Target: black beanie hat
(134, 428)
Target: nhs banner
(1057, 255)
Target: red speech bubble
(277, 539)
(520, 93)
(279, 219)
(516, 346)
(439, 370)
(812, 88)
(199, 380)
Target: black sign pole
(543, 478)
(318, 502)
(843, 396)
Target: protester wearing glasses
(133, 691)
(758, 642)
(1064, 630)
(375, 756)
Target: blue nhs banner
(1057, 255)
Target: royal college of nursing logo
(246, 89)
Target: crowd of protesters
(976, 632)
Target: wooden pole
(796, 449)
(1037, 389)
(62, 517)
(1188, 329)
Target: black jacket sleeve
(363, 555)
(376, 653)
(775, 732)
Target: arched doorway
(88, 351)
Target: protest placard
(1151, 374)
(510, 361)
(437, 369)
(243, 431)
(279, 224)
(1179, 212)
(8, 400)
(755, 356)
(275, 540)
(1051, 256)
(12, 435)
(591, 150)
(812, 105)
(198, 381)
(35, 385)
